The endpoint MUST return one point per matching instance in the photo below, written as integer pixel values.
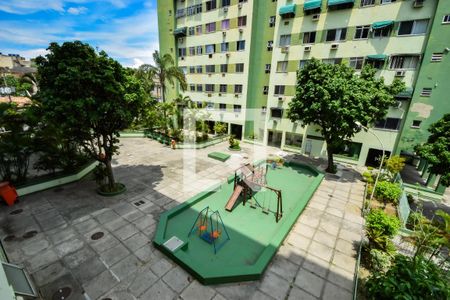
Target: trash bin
(8, 193)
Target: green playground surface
(254, 235)
(219, 156)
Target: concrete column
(440, 188)
(421, 165)
(425, 172)
(431, 179)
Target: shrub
(234, 144)
(367, 176)
(388, 191)
(379, 260)
(380, 228)
(395, 164)
(220, 128)
(415, 219)
(409, 278)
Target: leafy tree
(22, 87)
(437, 149)
(90, 96)
(335, 98)
(395, 165)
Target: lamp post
(381, 162)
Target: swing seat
(202, 227)
(215, 234)
(207, 237)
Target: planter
(234, 149)
(121, 188)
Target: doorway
(274, 138)
(236, 130)
(374, 157)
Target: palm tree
(166, 71)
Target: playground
(230, 232)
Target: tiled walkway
(317, 259)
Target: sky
(126, 29)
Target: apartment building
(241, 58)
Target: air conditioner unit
(210, 55)
(280, 98)
(182, 57)
(209, 74)
(307, 48)
(236, 95)
(285, 49)
(224, 33)
(241, 30)
(223, 74)
(240, 5)
(418, 3)
(220, 94)
(209, 95)
(316, 17)
(399, 73)
(334, 46)
(225, 9)
(227, 54)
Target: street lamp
(382, 158)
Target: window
(182, 52)
(210, 49)
(209, 88)
(388, 123)
(224, 47)
(199, 50)
(303, 63)
(199, 104)
(285, 40)
(224, 68)
(416, 123)
(191, 30)
(382, 32)
(413, 27)
(210, 5)
(192, 87)
(404, 62)
(265, 90)
(367, 3)
(222, 106)
(237, 108)
(240, 46)
(223, 88)
(226, 24)
(210, 27)
(210, 68)
(239, 68)
(362, 32)
(279, 90)
(282, 66)
(269, 45)
(238, 88)
(436, 57)
(293, 140)
(267, 68)
(184, 70)
(226, 3)
(272, 21)
(387, 1)
(198, 29)
(309, 37)
(332, 61)
(446, 19)
(426, 92)
(263, 109)
(209, 105)
(349, 149)
(242, 21)
(276, 112)
(191, 69)
(199, 69)
(356, 62)
(242, 1)
(199, 88)
(191, 51)
(338, 34)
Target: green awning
(407, 93)
(312, 4)
(180, 31)
(377, 57)
(382, 24)
(339, 2)
(287, 10)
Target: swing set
(210, 228)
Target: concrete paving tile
(67, 280)
(309, 282)
(349, 236)
(341, 278)
(88, 269)
(291, 253)
(283, 267)
(35, 246)
(274, 285)
(69, 246)
(197, 291)
(298, 294)
(161, 267)
(159, 291)
(177, 279)
(106, 242)
(346, 247)
(143, 222)
(321, 251)
(333, 292)
(125, 232)
(134, 215)
(316, 265)
(137, 241)
(116, 224)
(126, 266)
(259, 295)
(100, 285)
(144, 253)
(325, 238)
(304, 230)
(142, 282)
(298, 241)
(76, 258)
(219, 297)
(344, 261)
(86, 226)
(114, 254)
(60, 235)
(44, 258)
(49, 273)
(107, 216)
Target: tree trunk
(330, 168)
(110, 174)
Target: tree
(335, 98)
(91, 97)
(437, 149)
(166, 71)
(31, 80)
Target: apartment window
(413, 27)
(338, 34)
(242, 21)
(224, 68)
(309, 37)
(272, 21)
(223, 88)
(426, 92)
(362, 32)
(267, 68)
(198, 29)
(387, 1)
(279, 90)
(239, 68)
(404, 62)
(436, 57)
(209, 88)
(210, 49)
(382, 32)
(184, 70)
(238, 88)
(222, 106)
(210, 68)
(285, 40)
(192, 87)
(293, 140)
(269, 45)
(242, 1)
(191, 30)
(199, 104)
(377, 64)
(332, 61)
(182, 52)
(446, 19)
(416, 123)
(210, 5)
(224, 47)
(226, 24)
(191, 69)
(237, 108)
(388, 123)
(210, 27)
(303, 63)
(191, 51)
(265, 90)
(240, 46)
(199, 88)
(356, 62)
(209, 105)
(367, 3)
(199, 50)
(199, 69)
(226, 3)
(282, 66)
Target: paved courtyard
(100, 247)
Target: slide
(233, 198)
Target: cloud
(77, 10)
(24, 7)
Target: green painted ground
(219, 156)
(254, 236)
